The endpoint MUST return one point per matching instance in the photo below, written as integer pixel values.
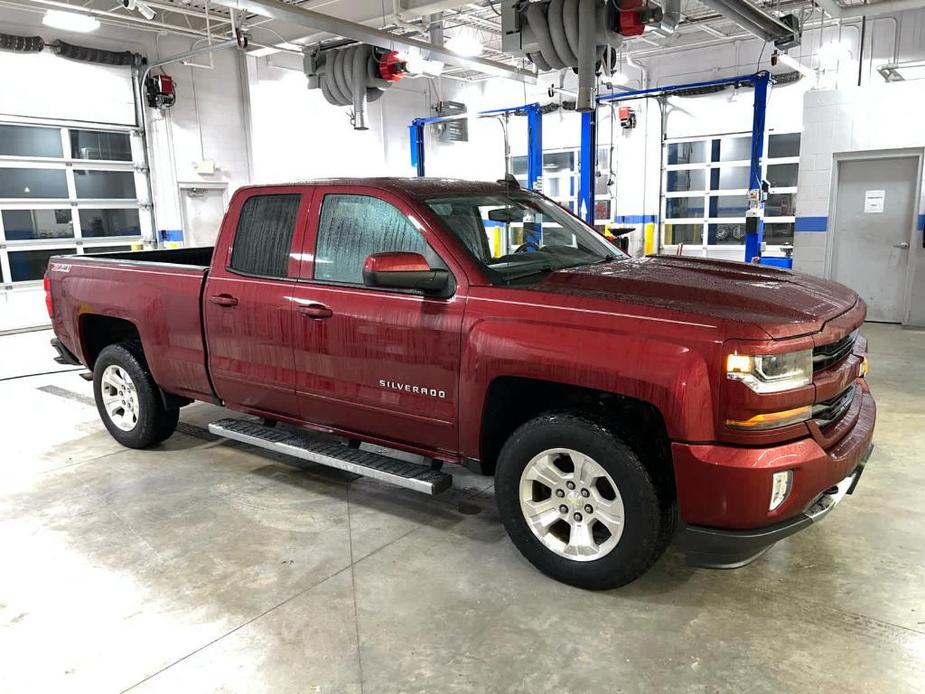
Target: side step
(305, 447)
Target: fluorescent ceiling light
(832, 53)
(417, 64)
(70, 21)
(898, 72)
(794, 64)
(619, 79)
(465, 42)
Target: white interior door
(875, 207)
(203, 209)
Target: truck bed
(159, 292)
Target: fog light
(780, 488)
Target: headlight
(771, 373)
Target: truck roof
(416, 187)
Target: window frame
(707, 220)
(295, 242)
(78, 243)
(415, 217)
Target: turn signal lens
(864, 368)
(781, 483)
(772, 420)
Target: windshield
(519, 235)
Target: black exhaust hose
(97, 55)
(21, 44)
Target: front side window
(520, 235)
(263, 238)
(354, 227)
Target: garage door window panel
(100, 145)
(46, 183)
(26, 141)
(96, 223)
(719, 167)
(76, 186)
(37, 225)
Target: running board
(324, 452)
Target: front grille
(827, 411)
(827, 355)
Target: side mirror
(401, 270)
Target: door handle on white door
(904, 245)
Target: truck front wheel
(128, 400)
(578, 503)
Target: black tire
(647, 523)
(154, 423)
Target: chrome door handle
(315, 311)
(223, 300)
(904, 245)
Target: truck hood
(782, 303)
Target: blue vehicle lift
(534, 138)
(754, 221)
(761, 82)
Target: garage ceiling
(700, 25)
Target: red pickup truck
(619, 402)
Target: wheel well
(98, 332)
(514, 401)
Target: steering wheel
(524, 247)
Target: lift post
(587, 165)
(754, 220)
(587, 155)
(534, 115)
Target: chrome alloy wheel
(120, 398)
(571, 504)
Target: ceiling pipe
(300, 16)
(836, 11)
(127, 21)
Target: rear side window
(352, 228)
(263, 238)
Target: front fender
(671, 376)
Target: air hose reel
(559, 34)
(353, 76)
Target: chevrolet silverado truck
(619, 402)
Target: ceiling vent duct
(558, 34)
(353, 76)
(456, 130)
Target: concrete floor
(202, 566)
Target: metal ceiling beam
(299, 16)
(752, 18)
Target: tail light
(49, 304)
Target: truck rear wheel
(578, 503)
(128, 400)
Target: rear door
(875, 211)
(247, 303)
(376, 361)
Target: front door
(247, 302)
(379, 362)
(875, 207)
